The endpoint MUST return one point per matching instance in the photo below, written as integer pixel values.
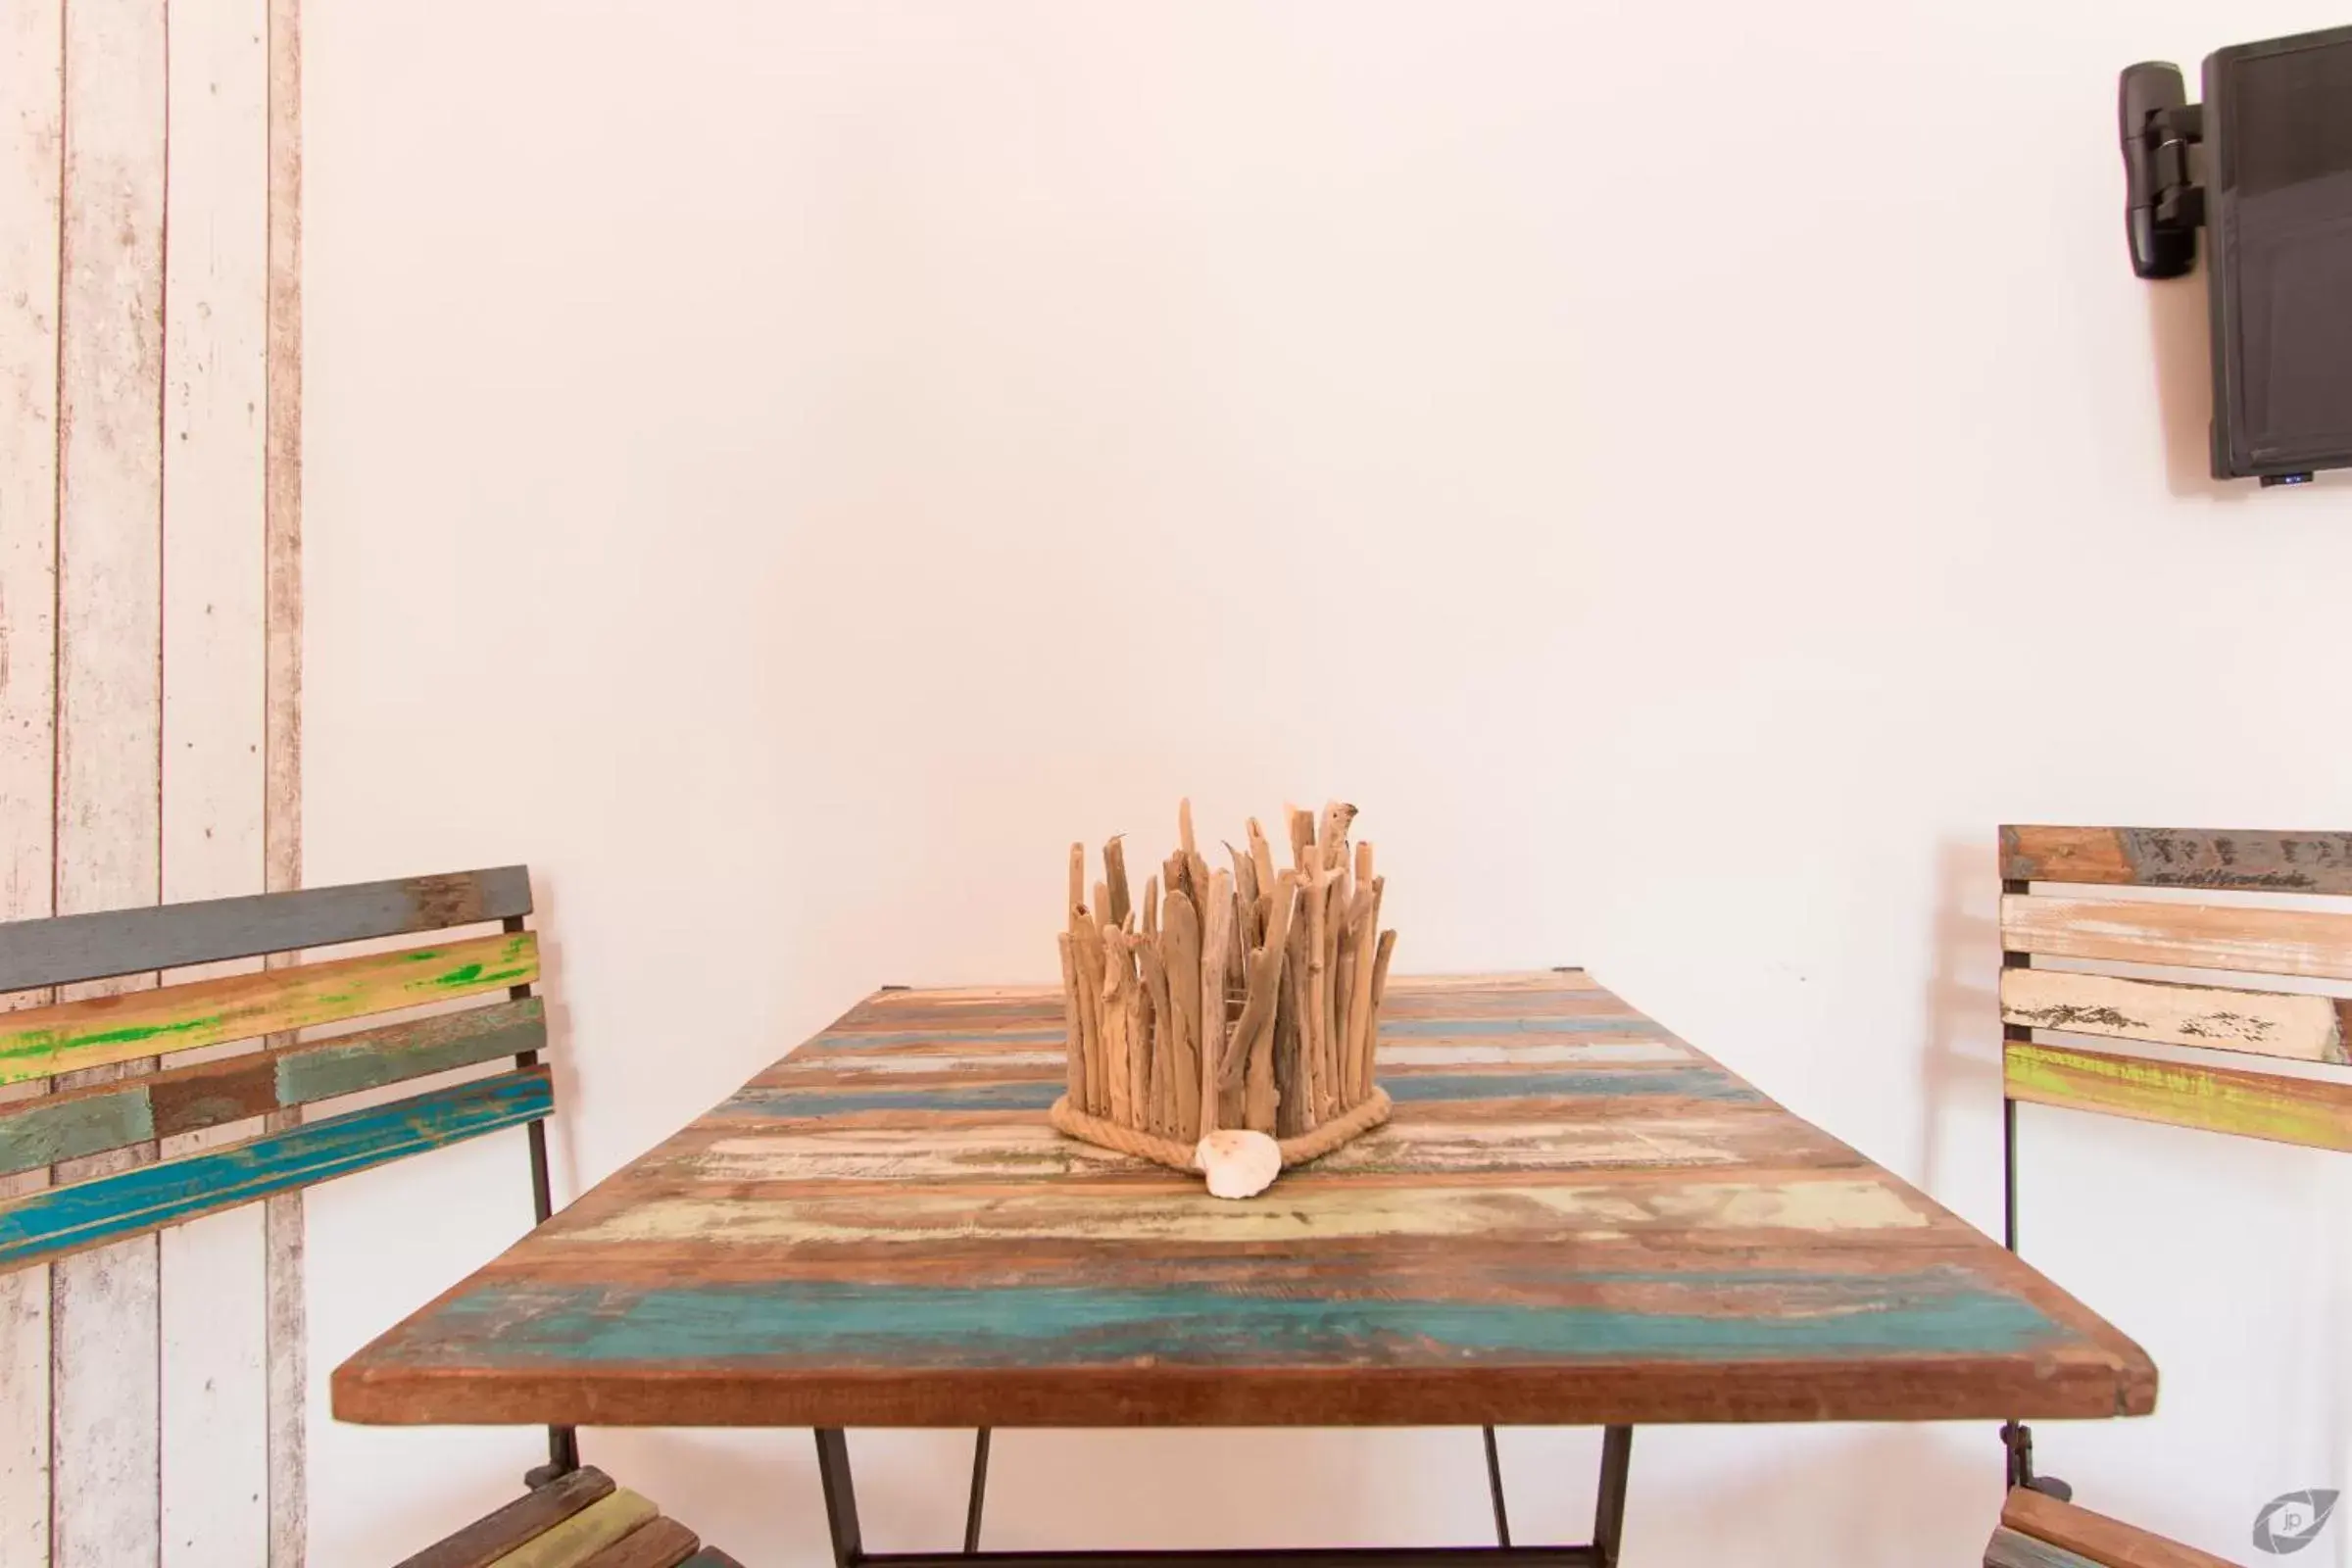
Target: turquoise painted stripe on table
(914, 1326)
(1692, 1082)
(147, 1197)
(1467, 1027)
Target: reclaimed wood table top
(1574, 1218)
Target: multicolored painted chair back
(106, 1052)
(2246, 940)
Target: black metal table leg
(1609, 1514)
(841, 1496)
(971, 1511)
(1502, 1516)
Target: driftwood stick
(1086, 952)
(1184, 828)
(1138, 1041)
(1342, 1023)
(1163, 1055)
(1365, 923)
(1116, 1064)
(1176, 875)
(1318, 991)
(1302, 838)
(1216, 938)
(1379, 989)
(1263, 989)
(1293, 1108)
(1077, 877)
(1261, 857)
(1237, 952)
(1074, 1079)
(1258, 1099)
(1180, 945)
(1150, 907)
(1245, 892)
(1115, 872)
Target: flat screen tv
(2277, 127)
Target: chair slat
(536, 1512)
(40, 1042)
(2196, 936)
(94, 947)
(2009, 1548)
(2107, 1542)
(581, 1537)
(34, 1133)
(55, 1221)
(2268, 1023)
(2250, 1105)
(2252, 860)
(659, 1543)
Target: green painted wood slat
(536, 1512)
(55, 1221)
(41, 1042)
(34, 1133)
(94, 947)
(2010, 1549)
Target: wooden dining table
(1574, 1218)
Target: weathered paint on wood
(927, 1258)
(212, 1330)
(213, 1012)
(2251, 1104)
(534, 1513)
(2269, 1024)
(105, 1314)
(288, 1390)
(661, 1543)
(581, 1537)
(61, 1220)
(2254, 860)
(220, 1094)
(116, 942)
(2010, 1549)
(2104, 1540)
(2317, 946)
(32, 133)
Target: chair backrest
(2245, 939)
(492, 969)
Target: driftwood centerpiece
(1225, 1024)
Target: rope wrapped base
(1168, 1152)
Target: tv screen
(2278, 129)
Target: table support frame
(1608, 1529)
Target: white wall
(785, 470)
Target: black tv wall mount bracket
(2165, 206)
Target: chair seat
(2041, 1531)
(578, 1520)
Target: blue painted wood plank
(801, 1323)
(48, 1224)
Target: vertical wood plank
(31, 147)
(214, 1440)
(105, 1488)
(287, 1330)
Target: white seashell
(1239, 1163)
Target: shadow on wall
(2180, 331)
(1962, 1068)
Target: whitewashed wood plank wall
(150, 1394)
